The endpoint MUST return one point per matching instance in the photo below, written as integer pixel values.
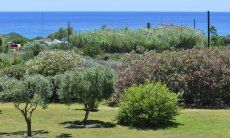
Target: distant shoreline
(33, 24)
(111, 12)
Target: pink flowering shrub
(201, 75)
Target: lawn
(52, 123)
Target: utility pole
(209, 35)
(194, 23)
(68, 33)
(42, 25)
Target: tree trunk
(29, 132)
(54, 96)
(86, 115)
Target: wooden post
(209, 35)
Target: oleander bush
(161, 38)
(51, 63)
(201, 75)
(149, 105)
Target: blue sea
(32, 24)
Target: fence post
(209, 35)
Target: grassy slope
(193, 123)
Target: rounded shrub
(148, 105)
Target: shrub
(27, 55)
(89, 87)
(4, 61)
(61, 46)
(36, 49)
(61, 34)
(202, 75)
(16, 71)
(5, 48)
(164, 38)
(148, 105)
(226, 40)
(92, 51)
(216, 40)
(51, 63)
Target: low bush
(92, 51)
(149, 105)
(4, 61)
(163, 38)
(202, 75)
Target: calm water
(32, 24)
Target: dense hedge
(162, 38)
(202, 76)
(149, 105)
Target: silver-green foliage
(88, 87)
(161, 38)
(26, 95)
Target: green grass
(191, 123)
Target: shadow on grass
(64, 135)
(163, 126)
(89, 124)
(0, 111)
(23, 133)
(81, 109)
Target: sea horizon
(41, 23)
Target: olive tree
(88, 87)
(26, 95)
(51, 63)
